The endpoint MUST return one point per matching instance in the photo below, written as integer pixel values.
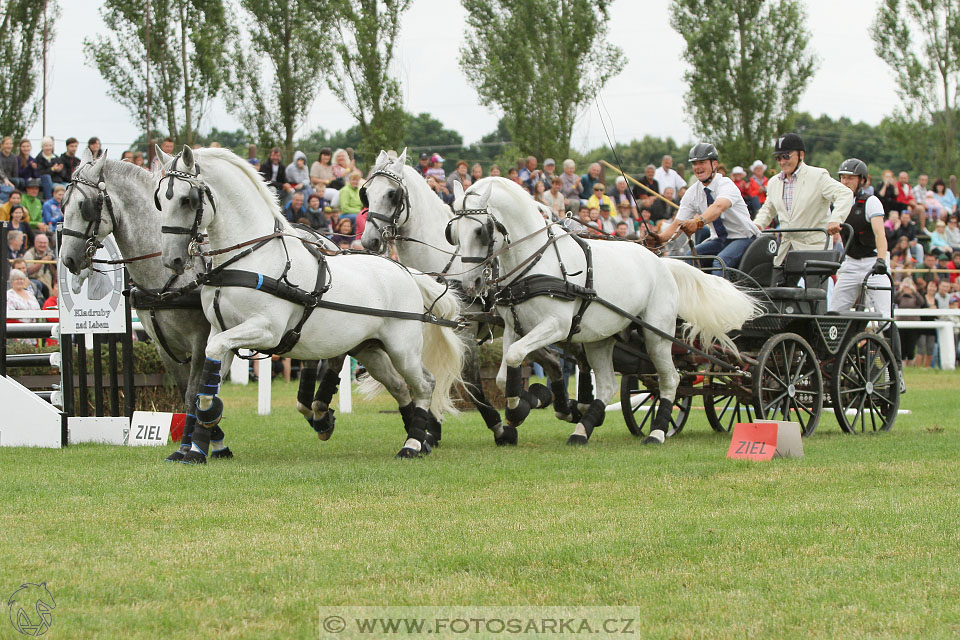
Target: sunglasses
(781, 156)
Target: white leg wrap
(658, 435)
(579, 430)
(513, 402)
(412, 444)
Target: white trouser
(847, 288)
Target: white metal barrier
(944, 328)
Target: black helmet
(853, 167)
(703, 151)
(788, 142)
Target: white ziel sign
(149, 429)
(96, 304)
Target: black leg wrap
(585, 387)
(217, 434)
(329, 384)
(434, 429)
(538, 396)
(325, 425)
(209, 378)
(308, 382)
(210, 417)
(406, 414)
(514, 382)
(199, 448)
(518, 414)
(508, 436)
(591, 419)
(573, 410)
(419, 424)
(189, 423)
(559, 392)
(658, 430)
(491, 417)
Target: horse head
(85, 221)
(384, 195)
(180, 197)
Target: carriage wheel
(721, 404)
(865, 380)
(787, 384)
(639, 414)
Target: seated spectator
(17, 223)
(476, 172)
(45, 273)
(166, 145)
(945, 196)
(33, 204)
(549, 171)
(944, 267)
(436, 168)
(49, 167)
(127, 156)
(51, 213)
(648, 181)
(321, 171)
(909, 229)
(620, 193)
(599, 197)
(605, 219)
(554, 198)
(424, 163)
(69, 160)
(19, 295)
(495, 171)
(529, 175)
(739, 177)
(670, 195)
(952, 232)
(9, 168)
(458, 175)
(38, 288)
(294, 210)
(440, 188)
(938, 241)
(757, 186)
(931, 205)
(138, 159)
(297, 175)
(14, 199)
(514, 175)
(350, 203)
(955, 267)
(622, 230)
(274, 173)
(26, 164)
(344, 236)
(625, 213)
(887, 192)
(587, 181)
(93, 146)
(314, 214)
(901, 249)
(570, 186)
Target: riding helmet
(788, 142)
(853, 167)
(703, 151)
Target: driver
(866, 251)
(714, 201)
(800, 197)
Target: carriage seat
(795, 293)
(810, 263)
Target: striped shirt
(788, 184)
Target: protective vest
(863, 244)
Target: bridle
(91, 210)
(389, 230)
(198, 188)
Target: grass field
(858, 539)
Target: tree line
(539, 63)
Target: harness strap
(162, 339)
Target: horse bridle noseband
(401, 205)
(91, 211)
(198, 188)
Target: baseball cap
(436, 158)
(424, 155)
(33, 182)
(604, 207)
(549, 161)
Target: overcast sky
(646, 98)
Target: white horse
(269, 293)
(109, 196)
(403, 208)
(540, 298)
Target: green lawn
(859, 538)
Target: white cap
(738, 169)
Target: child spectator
(297, 175)
(350, 203)
(436, 168)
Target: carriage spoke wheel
(721, 403)
(639, 408)
(865, 386)
(787, 384)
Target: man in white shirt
(666, 177)
(800, 197)
(714, 201)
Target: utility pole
(44, 120)
(147, 138)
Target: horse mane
(519, 196)
(128, 169)
(229, 157)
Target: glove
(652, 240)
(879, 267)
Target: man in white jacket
(800, 197)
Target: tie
(718, 223)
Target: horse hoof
(577, 440)
(176, 456)
(324, 426)
(431, 441)
(655, 437)
(193, 457)
(508, 437)
(222, 454)
(408, 453)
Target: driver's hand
(833, 227)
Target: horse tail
(711, 305)
(443, 348)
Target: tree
(360, 77)
(291, 38)
(920, 41)
(540, 62)
(748, 66)
(187, 59)
(21, 49)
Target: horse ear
(165, 158)
(485, 195)
(187, 156)
(382, 159)
(86, 156)
(98, 165)
(457, 195)
(403, 156)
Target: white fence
(943, 325)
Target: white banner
(96, 306)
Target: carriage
(795, 359)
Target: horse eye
(185, 201)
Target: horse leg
(552, 368)
(209, 406)
(218, 449)
(324, 420)
(660, 352)
(309, 370)
(584, 383)
(519, 402)
(186, 376)
(600, 359)
(474, 387)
